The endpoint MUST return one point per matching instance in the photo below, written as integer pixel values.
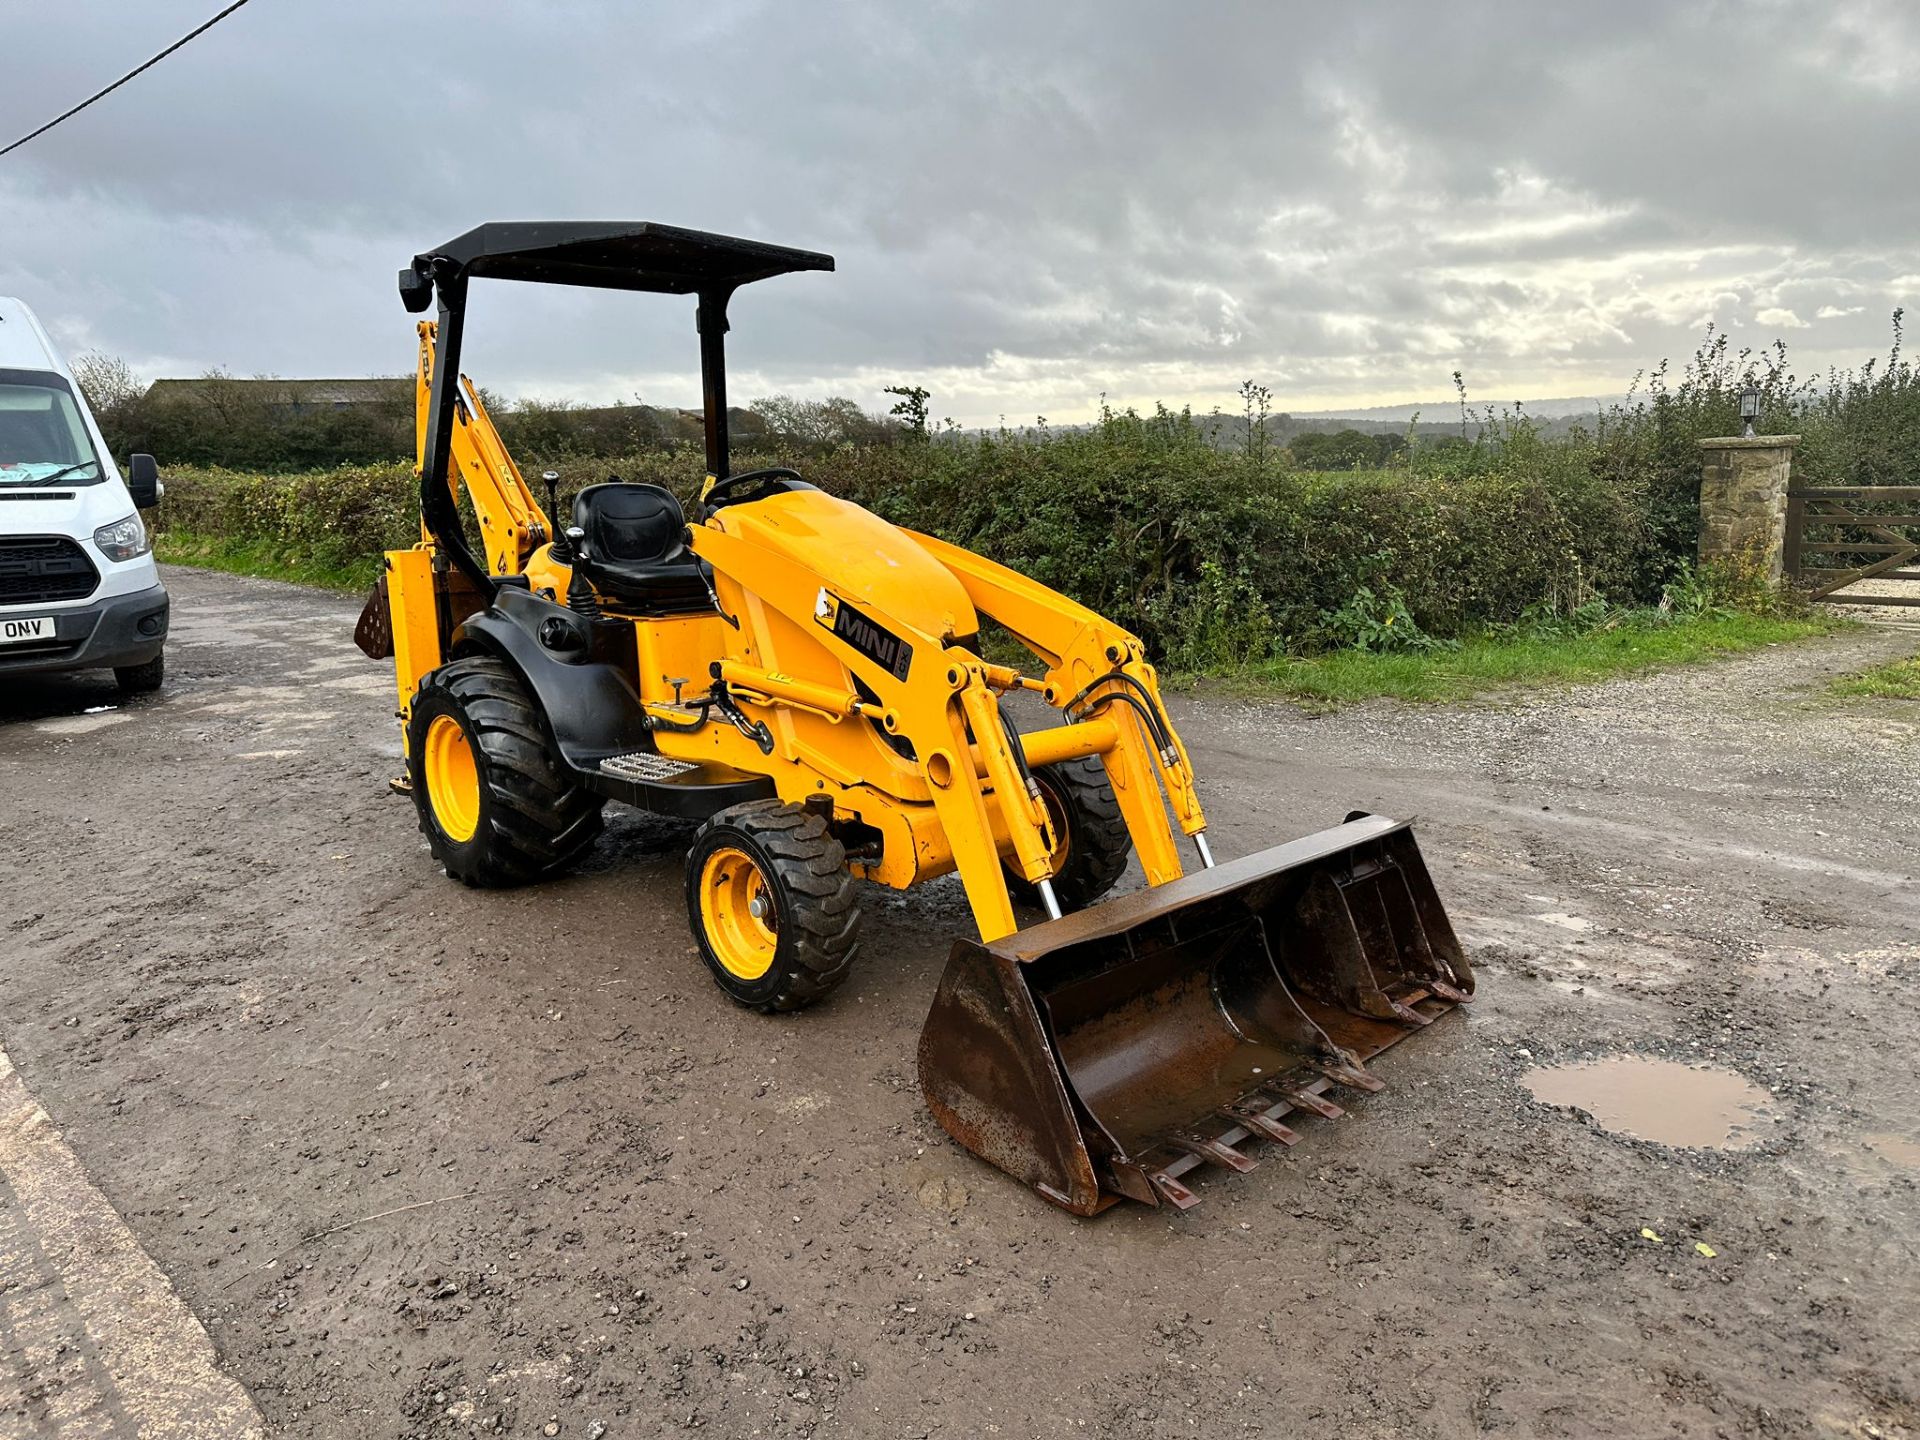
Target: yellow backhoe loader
(808, 681)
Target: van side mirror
(143, 481)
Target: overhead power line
(146, 65)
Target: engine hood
(861, 558)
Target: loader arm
(934, 698)
(946, 704)
(1096, 668)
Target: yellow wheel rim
(738, 913)
(1057, 821)
(453, 779)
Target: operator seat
(636, 549)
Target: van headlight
(123, 539)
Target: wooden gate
(1837, 535)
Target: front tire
(1092, 845)
(142, 679)
(773, 907)
(496, 802)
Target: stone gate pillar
(1743, 500)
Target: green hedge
(336, 520)
(1213, 558)
(1217, 555)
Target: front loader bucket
(1107, 1053)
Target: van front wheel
(142, 679)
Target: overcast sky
(1031, 204)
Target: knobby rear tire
(535, 817)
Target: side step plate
(689, 789)
(645, 765)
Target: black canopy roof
(605, 254)
(613, 255)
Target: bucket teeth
(1354, 1077)
(1214, 1150)
(1307, 1100)
(1254, 1116)
(1172, 1191)
(1448, 992)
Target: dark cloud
(1031, 204)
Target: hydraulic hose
(1014, 742)
(1157, 724)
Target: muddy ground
(435, 1162)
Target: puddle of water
(1897, 1149)
(1659, 1100)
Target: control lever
(581, 598)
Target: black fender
(580, 671)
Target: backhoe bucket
(1108, 1053)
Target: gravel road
(432, 1162)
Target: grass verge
(260, 558)
(1895, 680)
(1630, 645)
(1499, 661)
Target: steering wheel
(758, 483)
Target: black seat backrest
(630, 524)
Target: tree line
(271, 425)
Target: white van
(78, 586)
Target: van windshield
(42, 437)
